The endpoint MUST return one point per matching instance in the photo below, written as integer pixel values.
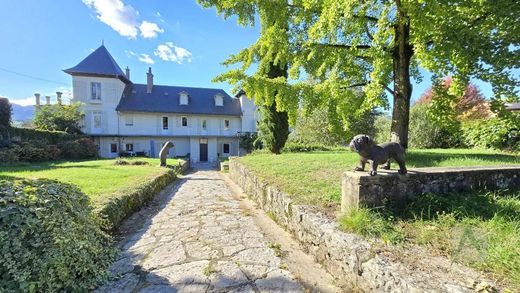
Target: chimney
(127, 71)
(37, 96)
(149, 80)
(48, 100)
(58, 97)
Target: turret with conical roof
(99, 63)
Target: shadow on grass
(433, 159)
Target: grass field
(99, 179)
(479, 229)
(314, 178)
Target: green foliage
(59, 118)
(314, 127)
(347, 45)
(427, 132)
(496, 132)
(8, 156)
(50, 239)
(273, 128)
(5, 112)
(83, 148)
(35, 151)
(16, 134)
(298, 147)
(123, 203)
(249, 141)
(382, 128)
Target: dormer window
(219, 100)
(183, 98)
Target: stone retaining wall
(361, 189)
(352, 260)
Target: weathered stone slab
(361, 189)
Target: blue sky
(185, 42)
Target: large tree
(378, 45)
(59, 118)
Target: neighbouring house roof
(99, 63)
(513, 107)
(165, 99)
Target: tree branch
(389, 89)
(342, 46)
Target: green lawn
(478, 229)
(315, 177)
(99, 179)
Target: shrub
(124, 204)
(8, 156)
(492, 133)
(5, 112)
(382, 128)
(83, 148)
(50, 239)
(427, 133)
(35, 151)
(296, 147)
(8, 134)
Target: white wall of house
(100, 114)
(250, 115)
(152, 124)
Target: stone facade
(361, 189)
(352, 260)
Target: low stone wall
(352, 260)
(361, 189)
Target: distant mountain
(22, 113)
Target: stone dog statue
(377, 154)
(163, 154)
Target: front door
(203, 150)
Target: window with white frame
(219, 100)
(129, 147)
(97, 119)
(165, 123)
(204, 124)
(225, 148)
(113, 148)
(129, 120)
(226, 124)
(95, 90)
(184, 121)
(184, 99)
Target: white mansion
(123, 116)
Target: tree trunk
(402, 55)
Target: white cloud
(146, 59)
(170, 52)
(122, 18)
(130, 53)
(24, 102)
(149, 30)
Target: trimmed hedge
(297, 147)
(123, 205)
(24, 134)
(50, 238)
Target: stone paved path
(200, 241)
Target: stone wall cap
(431, 170)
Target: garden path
(199, 239)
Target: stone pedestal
(361, 189)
